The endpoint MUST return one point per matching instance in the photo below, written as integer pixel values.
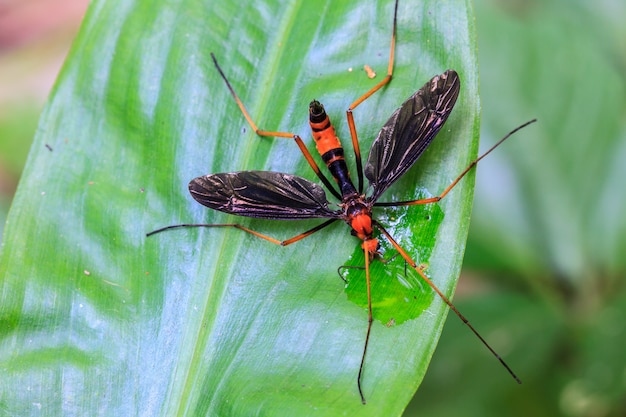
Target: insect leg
(370, 319)
(296, 138)
(389, 66)
(456, 181)
(445, 299)
(384, 81)
(252, 232)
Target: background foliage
(545, 254)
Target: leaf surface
(97, 319)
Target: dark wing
(264, 194)
(409, 131)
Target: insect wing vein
(409, 131)
(262, 194)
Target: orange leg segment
(288, 135)
(354, 105)
(252, 232)
(370, 319)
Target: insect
(401, 141)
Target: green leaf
(97, 319)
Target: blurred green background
(545, 258)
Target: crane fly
(280, 196)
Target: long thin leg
(370, 319)
(288, 135)
(456, 181)
(384, 81)
(445, 299)
(252, 232)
